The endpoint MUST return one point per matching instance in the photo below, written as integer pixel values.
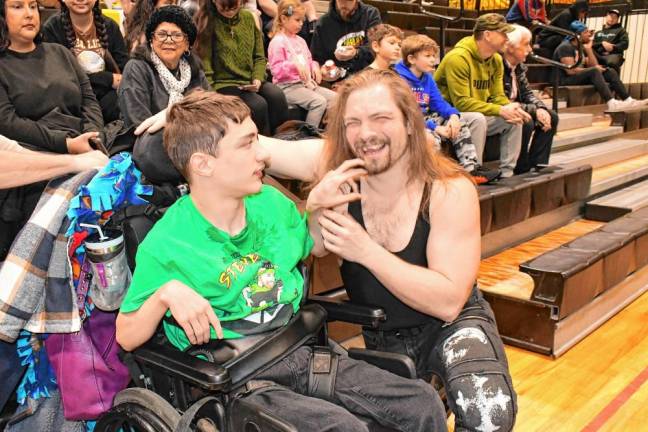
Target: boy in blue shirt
(420, 55)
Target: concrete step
(561, 104)
(582, 136)
(601, 154)
(619, 203)
(570, 121)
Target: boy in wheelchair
(222, 262)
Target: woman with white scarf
(160, 73)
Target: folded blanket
(36, 292)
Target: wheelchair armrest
(194, 370)
(396, 363)
(365, 315)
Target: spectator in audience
(420, 55)
(65, 121)
(547, 39)
(137, 19)
(341, 35)
(385, 41)
(20, 166)
(523, 12)
(159, 74)
(231, 49)
(544, 122)
(611, 41)
(69, 117)
(415, 201)
(98, 46)
(471, 78)
(605, 80)
(292, 66)
(223, 224)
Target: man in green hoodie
(470, 77)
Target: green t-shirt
(250, 279)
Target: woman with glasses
(159, 74)
(231, 49)
(97, 44)
(136, 19)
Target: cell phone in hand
(248, 87)
(97, 144)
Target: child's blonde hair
(414, 44)
(286, 8)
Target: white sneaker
(615, 105)
(634, 103)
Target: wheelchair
(202, 389)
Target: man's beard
(374, 165)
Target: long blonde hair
(426, 163)
(286, 8)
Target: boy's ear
(375, 46)
(200, 164)
(410, 59)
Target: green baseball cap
(493, 22)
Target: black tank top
(363, 287)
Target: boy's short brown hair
(414, 44)
(197, 124)
(381, 31)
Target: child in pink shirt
(292, 66)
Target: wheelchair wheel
(139, 410)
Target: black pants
(602, 81)
(269, 107)
(538, 152)
(468, 355)
(551, 42)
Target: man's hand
(116, 81)
(513, 113)
(601, 68)
(544, 118)
(90, 160)
(153, 123)
(455, 125)
(337, 187)
(345, 237)
(192, 312)
(607, 46)
(345, 53)
(257, 84)
(81, 143)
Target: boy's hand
(192, 312)
(454, 125)
(443, 131)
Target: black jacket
(616, 35)
(53, 31)
(564, 19)
(525, 95)
(332, 32)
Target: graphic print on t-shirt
(89, 53)
(261, 289)
(354, 39)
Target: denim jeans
(468, 356)
(360, 389)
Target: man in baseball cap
(470, 77)
(611, 41)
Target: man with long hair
(404, 219)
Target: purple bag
(88, 371)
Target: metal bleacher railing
(443, 24)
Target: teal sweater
(235, 53)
